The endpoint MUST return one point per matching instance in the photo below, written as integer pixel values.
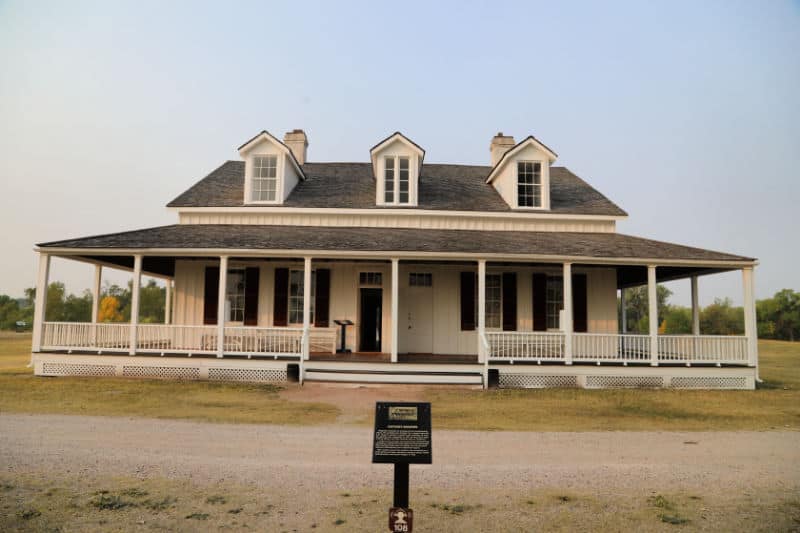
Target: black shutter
(211, 295)
(579, 313)
(467, 301)
(251, 296)
(322, 298)
(540, 302)
(509, 301)
(280, 314)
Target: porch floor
(373, 357)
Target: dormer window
(396, 179)
(529, 184)
(265, 178)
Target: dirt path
(333, 457)
(298, 478)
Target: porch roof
(213, 239)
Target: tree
(722, 318)
(151, 303)
(779, 316)
(638, 309)
(109, 310)
(677, 320)
(54, 308)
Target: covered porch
(415, 311)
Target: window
(296, 296)
(423, 279)
(388, 184)
(403, 180)
(397, 179)
(234, 295)
(494, 304)
(265, 178)
(529, 184)
(555, 300)
(373, 279)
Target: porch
(413, 315)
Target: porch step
(393, 376)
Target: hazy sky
(685, 114)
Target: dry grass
(22, 392)
(776, 404)
(63, 503)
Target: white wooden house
(503, 273)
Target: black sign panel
(402, 433)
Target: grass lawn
(775, 405)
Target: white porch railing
(691, 349)
(525, 346)
(164, 338)
(597, 347)
(81, 335)
(161, 338)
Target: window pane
(296, 296)
(265, 178)
(493, 300)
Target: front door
(370, 323)
(419, 315)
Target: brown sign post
(402, 437)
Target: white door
(418, 316)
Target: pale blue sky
(684, 113)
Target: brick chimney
(297, 142)
(500, 145)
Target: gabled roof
(529, 140)
(396, 136)
(265, 135)
(441, 187)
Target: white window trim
(279, 164)
(229, 322)
(413, 180)
(545, 185)
(312, 293)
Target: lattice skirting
(624, 382)
(77, 369)
(710, 382)
(247, 374)
(161, 372)
(535, 381)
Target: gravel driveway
(330, 457)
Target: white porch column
(306, 304)
(221, 296)
(567, 325)
(750, 324)
(695, 308)
(624, 309)
(41, 301)
(98, 278)
(652, 304)
(395, 308)
(168, 303)
(482, 311)
(137, 283)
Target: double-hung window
(396, 180)
(529, 184)
(265, 178)
(555, 300)
(296, 296)
(494, 301)
(234, 295)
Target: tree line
(115, 305)
(777, 317)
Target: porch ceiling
(196, 239)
